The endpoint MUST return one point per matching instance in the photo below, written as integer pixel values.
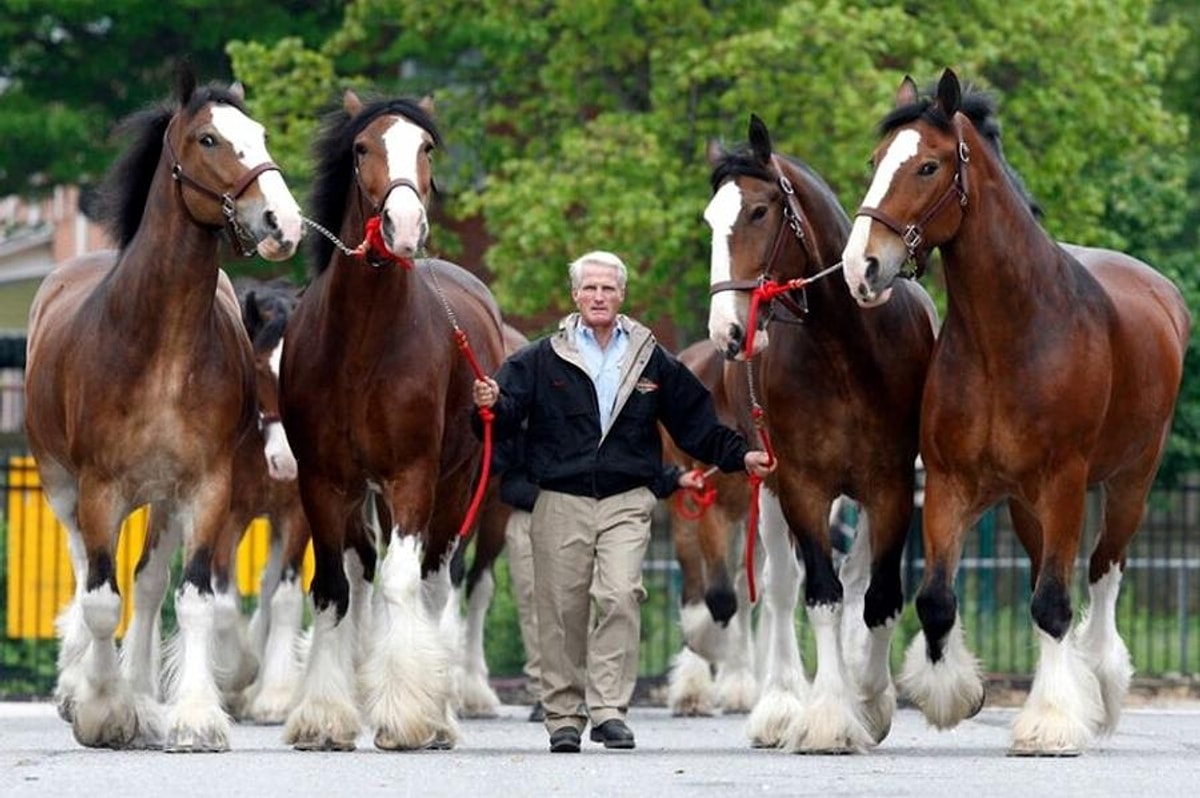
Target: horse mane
(122, 195)
(980, 108)
(333, 153)
(742, 162)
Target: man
(589, 398)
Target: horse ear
(949, 93)
(715, 152)
(760, 139)
(351, 104)
(426, 104)
(238, 90)
(185, 81)
(907, 93)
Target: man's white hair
(597, 258)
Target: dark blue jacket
(545, 388)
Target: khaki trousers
(520, 568)
(589, 552)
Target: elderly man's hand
(759, 463)
(487, 391)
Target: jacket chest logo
(646, 386)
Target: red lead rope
(486, 414)
(755, 488)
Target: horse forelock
(740, 162)
(333, 153)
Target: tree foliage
(69, 70)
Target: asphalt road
(1156, 753)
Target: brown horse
(828, 367)
(1057, 368)
(715, 611)
(139, 387)
(376, 401)
(266, 486)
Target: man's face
(598, 296)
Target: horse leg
(940, 675)
(104, 710)
(407, 677)
(325, 716)
(830, 722)
(196, 719)
(477, 697)
(260, 620)
(1064, 707)
(1097, 635)
(279, 679)
(784, 683)
(235, 664)
(689, 681)
(736, 684)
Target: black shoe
(614, 734)
(564, 740)
(538, 713)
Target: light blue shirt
(604, 367)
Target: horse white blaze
(892, 252)
(249, 141)
(281, 462)
(726, 310)
(405, 208)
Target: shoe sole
(564, 748)
(619, 744)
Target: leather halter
(913, 235)
(228, 199)
(399, 182)
(794, 221)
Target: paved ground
(1156, 752)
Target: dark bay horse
(1057, 368)
(822, 378)
(715, 611)
(266, 486)
(376, 400)
(139, 387)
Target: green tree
(70, 70)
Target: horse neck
(170, 265)
(1000, 256)
(827, 229)
(355, 283)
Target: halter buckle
(912, 238)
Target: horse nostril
(872, 269)
(270, 220)
(388, 227)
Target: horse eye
(758, 213)
(208, 140)
(927, 168)
(360, 149)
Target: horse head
(918, 194)
(218, 156)
(761, 235)
(393, 166)
(265, 313)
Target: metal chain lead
(337, 242)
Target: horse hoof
(1060, 753)
(324, 744)
(188, 741)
